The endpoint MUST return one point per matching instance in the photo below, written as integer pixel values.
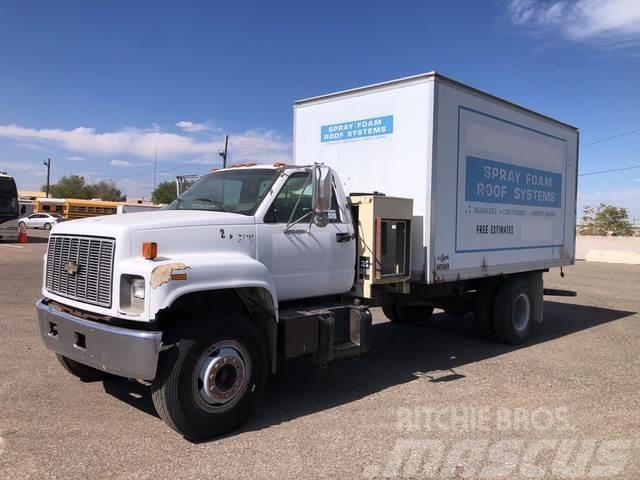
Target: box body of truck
(493, 184)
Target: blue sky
(97, 85)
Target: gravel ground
(567, 404)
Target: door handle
(345, 237)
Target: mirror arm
(291, 223)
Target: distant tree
(606, 220)
(165, 192)
(73, 186)
(106, 191)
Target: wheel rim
(521, 312)
(223, 374)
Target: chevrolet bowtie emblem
(71, 267)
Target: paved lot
(568, 402)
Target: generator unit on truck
(413, 194)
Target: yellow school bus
(74, 208)
(50, 205)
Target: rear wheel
(210, 380)
(483, 302)
(513, 311)
(83, 372)
(21, 225)
(406, 311)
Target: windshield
(8, 196)
(237, 191)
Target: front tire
(47, 226)
(210, 380)
(513, 311)
(21, 225)
(83, 372)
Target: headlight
(132, 293)
(137, 287)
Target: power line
(190, 165)
(606, 139)
(610, 170)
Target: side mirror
(322, 194)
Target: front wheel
(47, 226)
(21, 225)
(210, 380)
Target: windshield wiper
(218, 204)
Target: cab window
(298, 185)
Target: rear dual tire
(505, 309)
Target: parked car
(40, 220)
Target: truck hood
(177, 232)
(113, 225)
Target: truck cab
(205, 278)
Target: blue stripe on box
(352, 130)
(490, 181)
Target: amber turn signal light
(149, 250)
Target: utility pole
(48, 165)
(155, 172)
(223, 153)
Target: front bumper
(121, 351)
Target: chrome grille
(92, 281)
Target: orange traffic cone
(22, 235)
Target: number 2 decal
(222, 233)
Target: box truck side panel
(503, 188)
(377, 138)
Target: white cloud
(192, 127)
(75, 158)
(126, 163)
(260, 146)
(30, 146)
(121, 163)
(611, 23)
(26, 167)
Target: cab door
(306, 260)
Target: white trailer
(493, 184)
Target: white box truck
(456, 200)
(493, 184)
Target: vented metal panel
(394, 258)
(81, 268)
